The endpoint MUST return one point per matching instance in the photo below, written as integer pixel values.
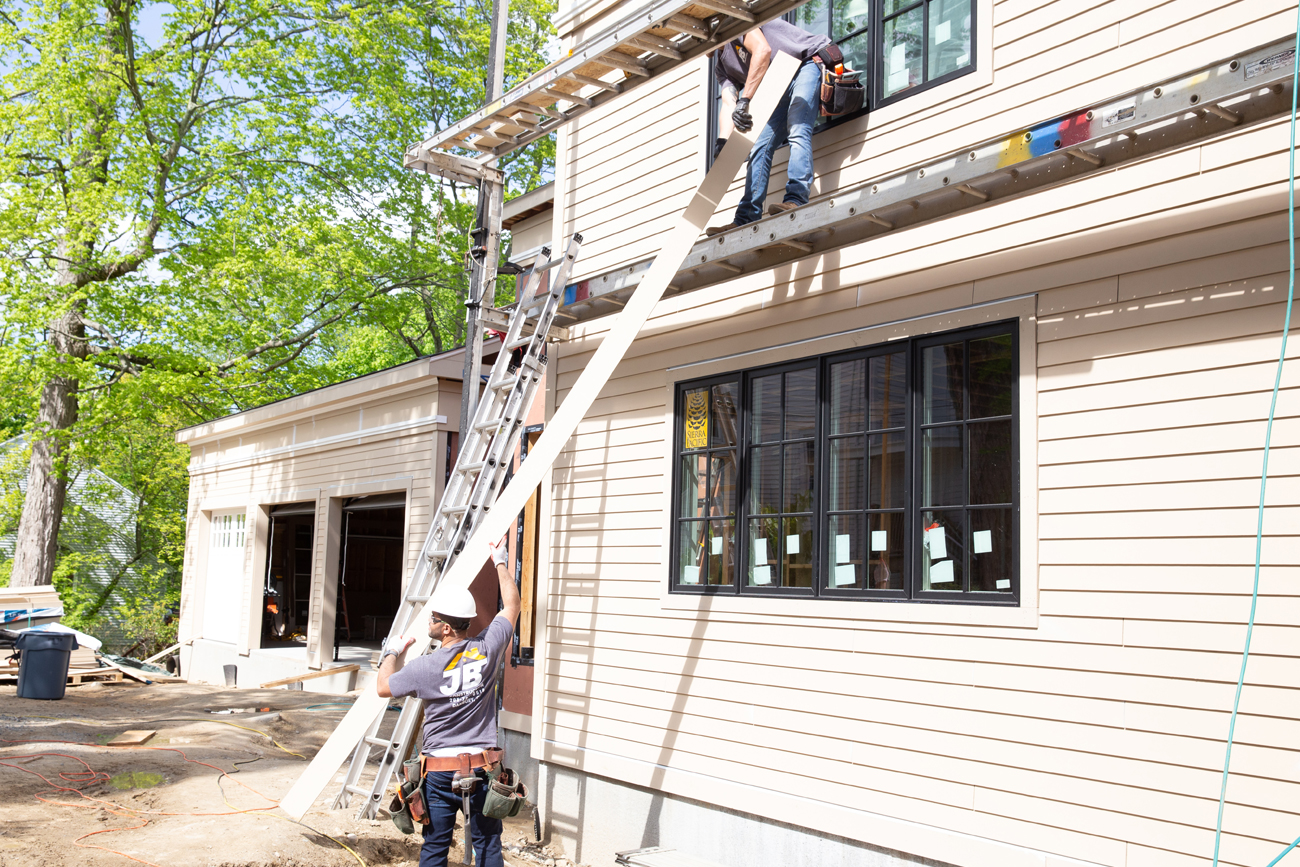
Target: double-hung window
(884, 473)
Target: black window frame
(911, 591)
(878, 98)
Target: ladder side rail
(361, 756)
(470, 440)
(516, 403)
(409, 723)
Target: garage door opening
(287, 594)
(370, 571)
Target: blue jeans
(443, 805)
(791, 123)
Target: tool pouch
(506, 794)
(408, 806)
(841, 93)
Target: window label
(938, 545)
(982, 543)
(697, 419)
(941, 573)
(842, 548)
(879, 540)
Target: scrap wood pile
(87, 664)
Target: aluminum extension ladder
(481, 465)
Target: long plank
(542, 456)
(299, 678)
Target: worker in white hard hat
(455, 681)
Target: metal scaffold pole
(485, 240)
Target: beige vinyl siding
(628, 168)
(1092, 730)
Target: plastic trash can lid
(64, 641)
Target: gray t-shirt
(456, 682)
(731, 62)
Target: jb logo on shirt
(464, 672)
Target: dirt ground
(150, 805)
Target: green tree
(204, 209)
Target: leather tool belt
(485, 759)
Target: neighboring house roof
(99, 518)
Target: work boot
(780, 208)
(718, 230)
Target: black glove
(741, 117)
(718, 146)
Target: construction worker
(739, 67)
(456, 681)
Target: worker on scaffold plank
(456, 683)
(739, 67)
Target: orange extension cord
(79, 780)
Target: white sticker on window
(943, 32)
(898, 72)
(791, 545)
(844, 575)
(842, 548)
(937, 542)
(762, 574)
(715, 545)
(1004, 583)
(879, 540)
(982, 543)
(690, 574)
(941, 573)
(760, 550)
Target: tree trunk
(47, 479)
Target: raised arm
(509, 592)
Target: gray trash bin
(43, 666)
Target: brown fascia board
(421, 373)
(530, 204)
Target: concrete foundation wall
(519, 757)
(591, 818)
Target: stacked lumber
(83, 657)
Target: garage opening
(287, 594)
(370, 571)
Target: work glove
(741, 117)
(500, 552)
(718, 146)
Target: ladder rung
(417, 599)
(439, 554)
(519, 341)
(380, 742)
(456, 510)
(357, 790)
(504, 383)
(490, 423)
(475, 467)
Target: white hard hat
(454, 602)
